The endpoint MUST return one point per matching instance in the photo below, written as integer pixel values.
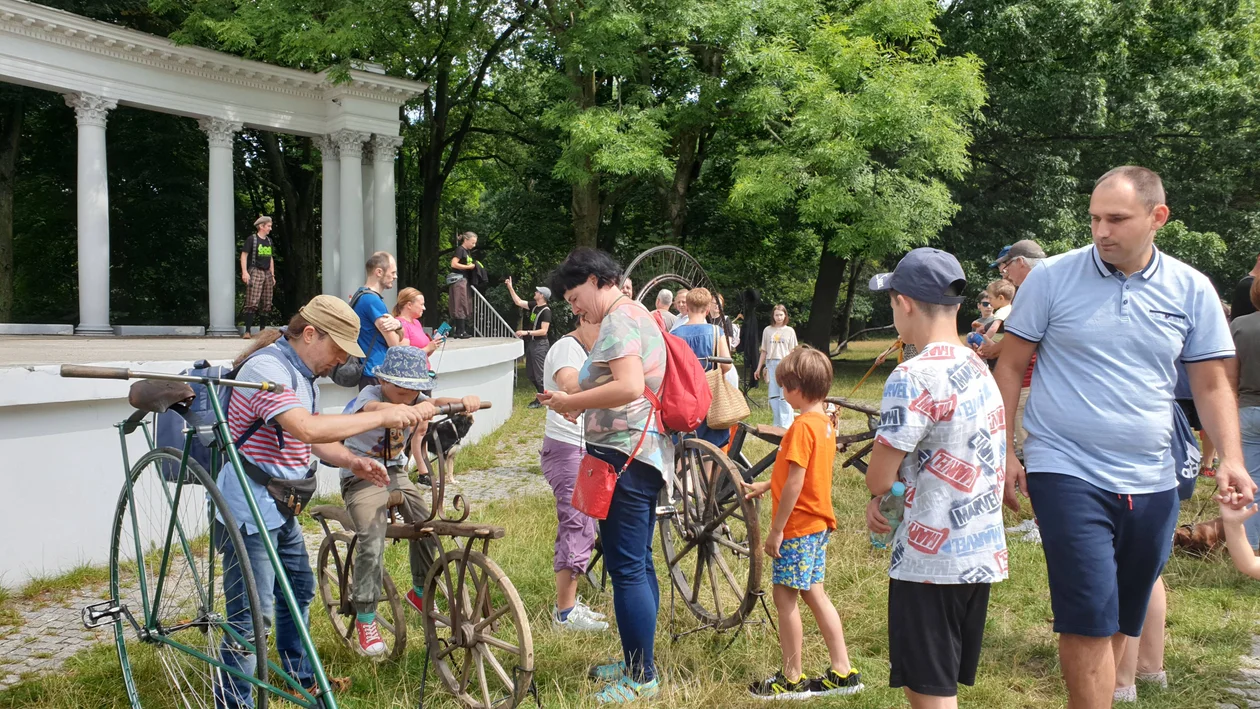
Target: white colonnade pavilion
(98, 66)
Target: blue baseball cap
(1001, 255)
(927, 275)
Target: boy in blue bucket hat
(403, 378)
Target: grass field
(1212, 613)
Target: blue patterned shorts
(802, 561)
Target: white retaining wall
(61, 463)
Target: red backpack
(685, 397)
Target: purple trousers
(575, 532)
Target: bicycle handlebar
(87, 371)
(458, 408)
(720, 360)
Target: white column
(350, 145)
(369, 210)
(92, 197)
(330, 217)
(384, 147)
(220, 241)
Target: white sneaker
(577, 622)
(1033, 537)
(588, 611)
(1124, 695)
(1024, 527)
(1160, 678)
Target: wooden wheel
(711, 537)
(854, 448)
(477, 631)
(336, 578)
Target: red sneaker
(1209, 472)
(370, 641)
(415, 600)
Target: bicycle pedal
(103, 613)
(666, 511)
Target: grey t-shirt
(1246, 332)
(372, 444)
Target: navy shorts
(1103, 552)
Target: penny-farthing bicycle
(168, 602)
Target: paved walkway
(52, 632)
(1246, 686)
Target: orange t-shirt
(811, 444)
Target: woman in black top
(536, 341)
(462, 266)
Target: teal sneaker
(626, 690)
(610, 672)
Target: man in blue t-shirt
(1109, 323)
(378, 330)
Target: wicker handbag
(729, 406)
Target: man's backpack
(199, 414)
(684, 399)
(348, 373)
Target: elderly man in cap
(403, 377)
(280, 434)
(1109, 323)
(536, 340)
(1015, 262)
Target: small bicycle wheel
(710, 538)
(336, 578)
(166, 569)
(477, 631)
(596, 573)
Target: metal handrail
(486, 321)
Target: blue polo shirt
(1100, 405)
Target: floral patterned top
(629, 331)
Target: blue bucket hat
(407, 367)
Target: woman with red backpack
(621, 382)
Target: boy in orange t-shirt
(800, 486)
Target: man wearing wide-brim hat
(323, 333)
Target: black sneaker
(535, 404)
(833, 683)
(778, 687)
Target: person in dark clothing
(750, 337)
(258, 272)
(536, 340)
(462, 268)
(1241, 304)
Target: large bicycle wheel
(336, 578)
(710, 537)
(166, 569)
(477, 632)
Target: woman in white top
(563, 447)
(776, 342)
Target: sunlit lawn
(1212, 611)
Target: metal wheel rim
(470, 686)
(663, 265)
(177, 667)
(727, 591)
(393, 623)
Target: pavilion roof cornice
(108, 40)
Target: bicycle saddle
(156, 396)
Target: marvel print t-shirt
(944, 409)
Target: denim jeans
(1249, 422)
(783, 414)
(291, 549)
(627, 538)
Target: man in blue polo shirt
(378, 330)
(1108, 323)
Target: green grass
(1212, 612)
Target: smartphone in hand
(442, 329)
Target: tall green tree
(861, 122)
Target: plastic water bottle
(892, 507)
(975, 339)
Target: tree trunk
(846, 312)
(822, 308)
(586, 212)
(608, 237)
(10, 133)
(690, 148)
